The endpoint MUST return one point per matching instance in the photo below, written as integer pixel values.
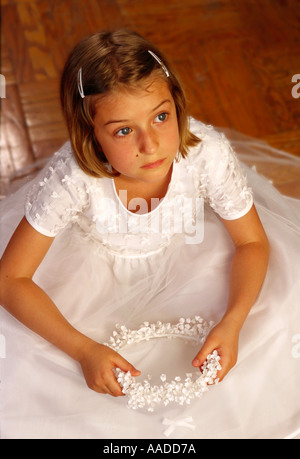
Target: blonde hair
(109, 60)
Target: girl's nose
(148, 142)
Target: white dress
(108, 265)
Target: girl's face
(138, 130)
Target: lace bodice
(64, 196)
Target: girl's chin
(150, 175)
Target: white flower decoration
(179, 390)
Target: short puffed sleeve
(57, 195)
(222, 180)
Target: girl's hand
(223, 338)
(97, 362)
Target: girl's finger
(107, 390)
(121, 363)
(202, 355)
(114, 388)
(113, 385)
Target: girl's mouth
(153, 165)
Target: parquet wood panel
(235, 57)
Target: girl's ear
(101, 152)
(98, 146)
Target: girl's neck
(144, 190)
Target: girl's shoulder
(58, 193)
(214, 151)
(210, 137)
(219, 174)
(202, 130)
(63, 162)
(63, 170)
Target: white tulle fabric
(100, 278)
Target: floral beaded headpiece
(179, 391)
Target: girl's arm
(248, 270)
(22, 298)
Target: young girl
(112, 233)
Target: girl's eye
(123, 132)
(161, 117)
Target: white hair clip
(160, 62)
(79, 83)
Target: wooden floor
(236, 58)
